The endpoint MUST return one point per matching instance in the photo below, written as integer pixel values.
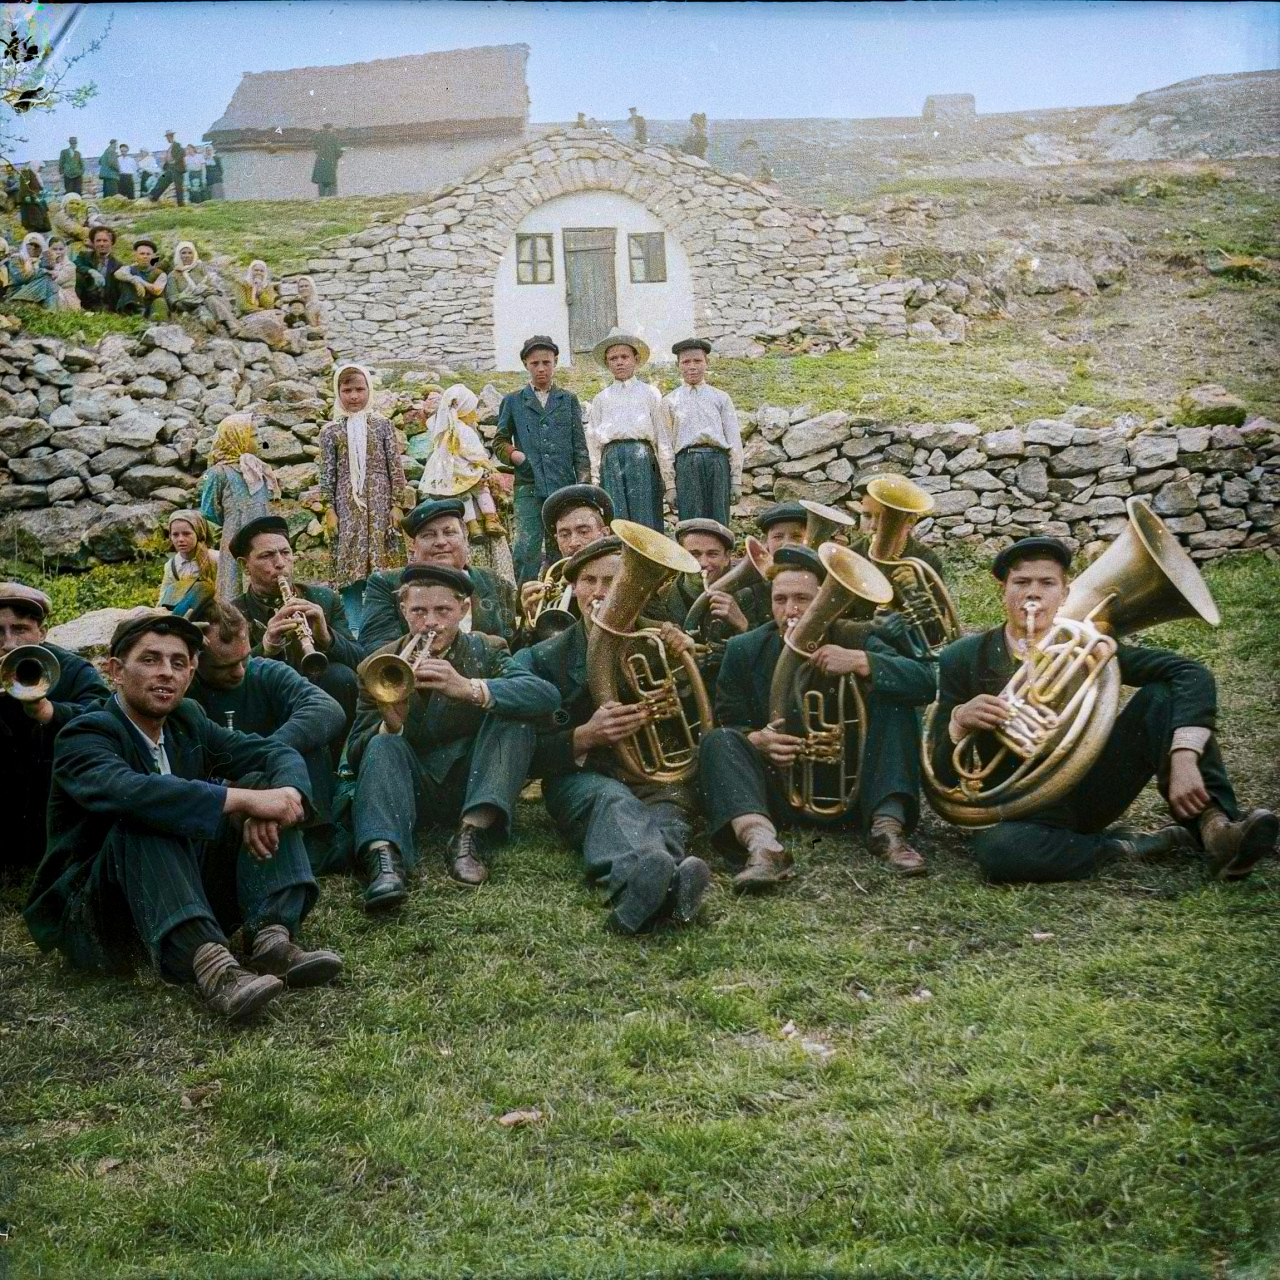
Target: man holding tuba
(422, 702)
(711, 545)
(41, 688)
(748, 762)
(1165, 731)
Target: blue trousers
(629, 475)
(703, 483)
(531, 538)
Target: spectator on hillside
(109, 170)
(147, 170)
(193, 288)
(128, 166)
(71, 220)
(96, 267)
(142, 282)
(695, 142)
(33, 207)
(255, 292)
(175, 171)
(30, 277)
(213, 175)
(71, 166)
(324, 173)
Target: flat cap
(703, 524)
(592, 551)
(575, 495)
(1041, 547)
(161, 623)
(691, 344)
(430, 510)
(796, 556)
(147, 240)
(539, 342)
(437, 575)
(241, 543)
(17, 595)
(782, 511)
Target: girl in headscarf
(361, 479)
(71, 220)
(191, 573)
(63, 271)
(33, 206)
(256, 292)
(418, 422)
(237, 487)
(30, 273)
(458, 465)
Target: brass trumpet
(665, 749)
(311, 662)
(919, 594)
(28, 672)
(823, 782)
(389, 677)
(551, 615)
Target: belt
(648, 444)
(703, 448)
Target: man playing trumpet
(1165, 731)
(415, 731)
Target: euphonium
(388, 677)
(28, 672)
(312, 662)
(746, 573)
(551, 615)
(823, 782)
(824, 523)
(919, 594)
(1065, 695)
(634, 667)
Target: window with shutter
(648, 253)
(534, 260)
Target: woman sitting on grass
(195, 288)
(31, 274)
(71, 220)
(191, 573)
(256, 292)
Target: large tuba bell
(388, 677)
(634, 667)
(1065, 696)
(28, 672)
(824, 523)
(551, 614)
(919, 594)
(823, 782)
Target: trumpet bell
(28, 672)
(313, 663)
(656, 549)
(551, 622)
(386, 677)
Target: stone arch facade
(421, 288)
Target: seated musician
(869, 519)
(270, 699)
(742, 758)
(633, 838)
(263, 549)
(437, 534)
(414, 756)
(573, 516)
(28, 726)
(781, 525)
(153, 838)
(711, 545)
(1165, 731)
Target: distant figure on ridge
(324, 173)
(695, 141)
(641, 127)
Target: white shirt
(147, 164)
(704, 415)
(128, 164)
(159, 757)
(630, 410)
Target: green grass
(1092, 1089)
(85, 327)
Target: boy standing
(708, 441)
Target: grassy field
(855, 1077)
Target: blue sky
(176, 65)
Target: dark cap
(797, 556)
(147, 240)
(243, 540)
(592, 551)
(703, 524)
(575, 495)
(782, 511)
(539, 342)
(437, 575)
(161, 623)
(430, 510)
(691, 344)
(24, 599)
(1037, 548)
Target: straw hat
(617, 338)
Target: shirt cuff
(1190, 737)
(397, 733)
(954, 731)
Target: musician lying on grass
(1165, 731)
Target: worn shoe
(474, 531)
(765, 867)
(230, 991)
(888, 840)
(285, 959)
(692, 880)
(463, 855)
(492, 523)
(384, 876)
(1235, 847)
(1139, 847)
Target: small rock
(1148, 452)
(1206, 405)
(63, 418)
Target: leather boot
(765, 867)
(888, 840)
(1139, 847)
(384, 876)
(1235, 847)
(691, 882)
(276, 953)
(230, 991)
(492, 523)
(463, 856)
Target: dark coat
(562, 661)
(983, 664)
(493, 608)
(328, 152)
(70, 163)
(552, 439)
(93, 298)
(344, 651)
(440, 729)
(101, 777)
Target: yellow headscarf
(235, 444)
(204, 536)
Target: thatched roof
(456, 93)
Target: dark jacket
(70, 163)
(493, 608)
(552, 439)
(328, 152)
(344, 651)
(92, 296)
(440, 729)
(562, 661)
(101, 777)
(109, 164)
(983, 664)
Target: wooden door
(591, 288)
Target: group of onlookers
(192, 173)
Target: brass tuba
(388, 677)
(28, 672)
(746, 573)
(1065, 696)
(823, 782)
(919, 594)
(551, 615)
(634, 666)
(824, 523)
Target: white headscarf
(179, 269)
(357, 431)
(455, 405)
(28, 238)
